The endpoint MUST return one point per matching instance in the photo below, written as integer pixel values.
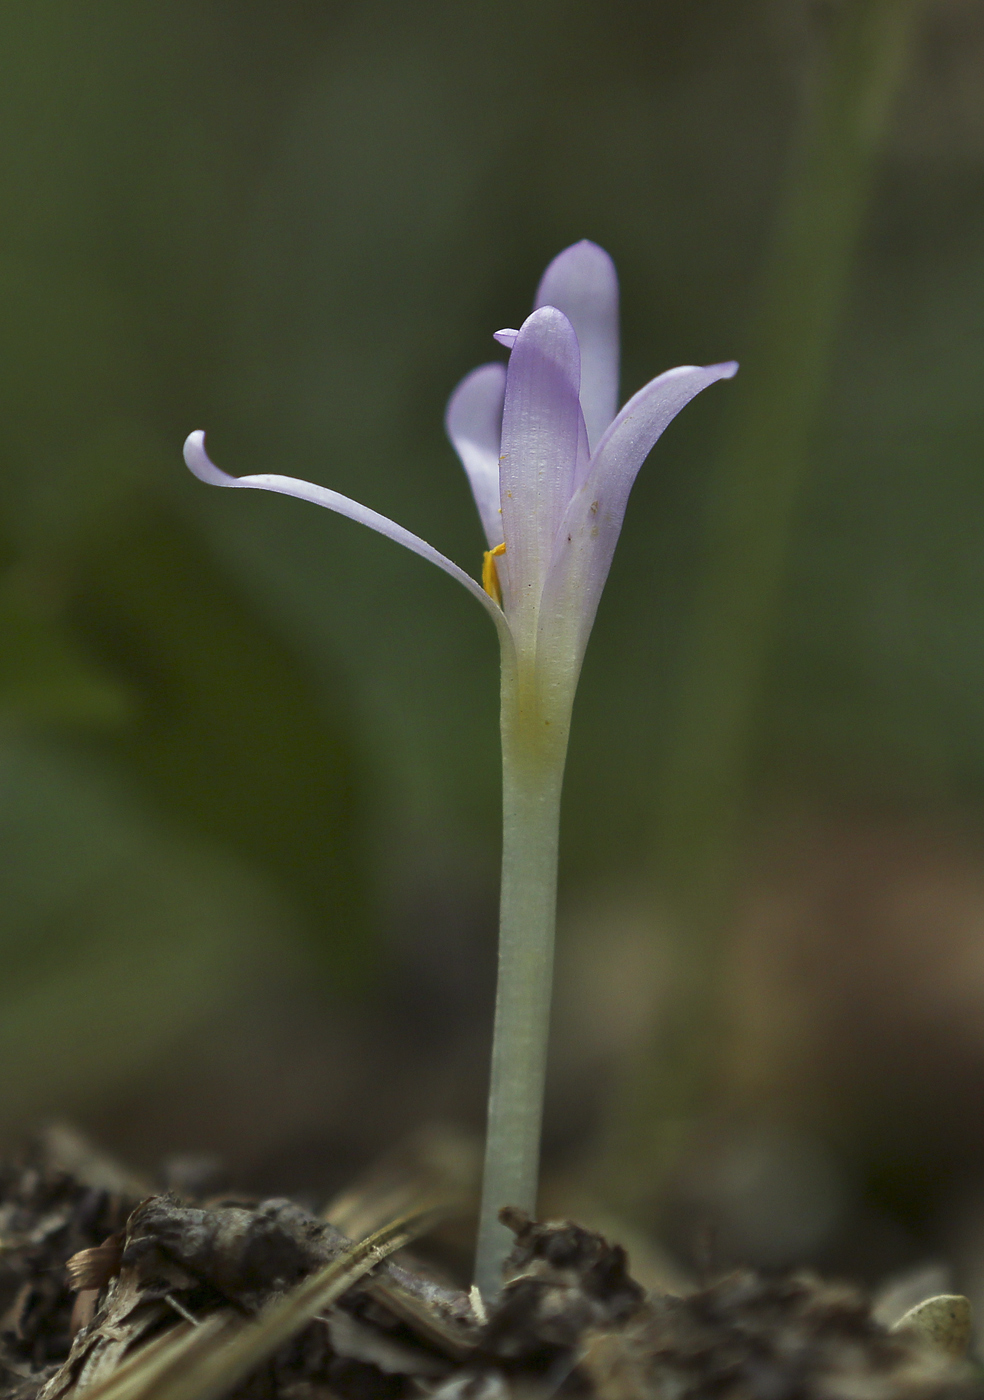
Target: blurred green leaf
(45, 677)
(863, 50)
(67, 368)
(233, 735)
(118, 941)
(862, 53)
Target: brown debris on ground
(93, 1279)
(774, 1338)
(62, 1198)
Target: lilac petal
(506, 338)
(582, 282)
(592, 523)
(541, 426)
(473, 422)
(198, 462)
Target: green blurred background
(248, 751)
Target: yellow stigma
(490, 574)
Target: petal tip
(479, 393)
(586, 253)
(544, 316)
(582, 269)
(506, 338)
(198, 462)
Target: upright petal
(582, 282)
(592, 523)
(199, 463)
(474, 424)
(541, 426)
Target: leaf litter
(112, 1292)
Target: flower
(550, 463)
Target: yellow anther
(490, 574)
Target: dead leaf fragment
(93, 1268)
(943, 1323)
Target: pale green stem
(534, 746)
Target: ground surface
(113, 1291)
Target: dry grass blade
(165, 1357)
(434, 1163)
(198, 1367)
(422, 1319)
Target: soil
(98, 1273)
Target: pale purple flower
(550, 462)
(551, 465)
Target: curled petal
(541, 431)
(199, 463)
(582, 282)
(592, 523)
(630, 438)
(474, 424)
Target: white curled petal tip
(199, 464)
(506, 338)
